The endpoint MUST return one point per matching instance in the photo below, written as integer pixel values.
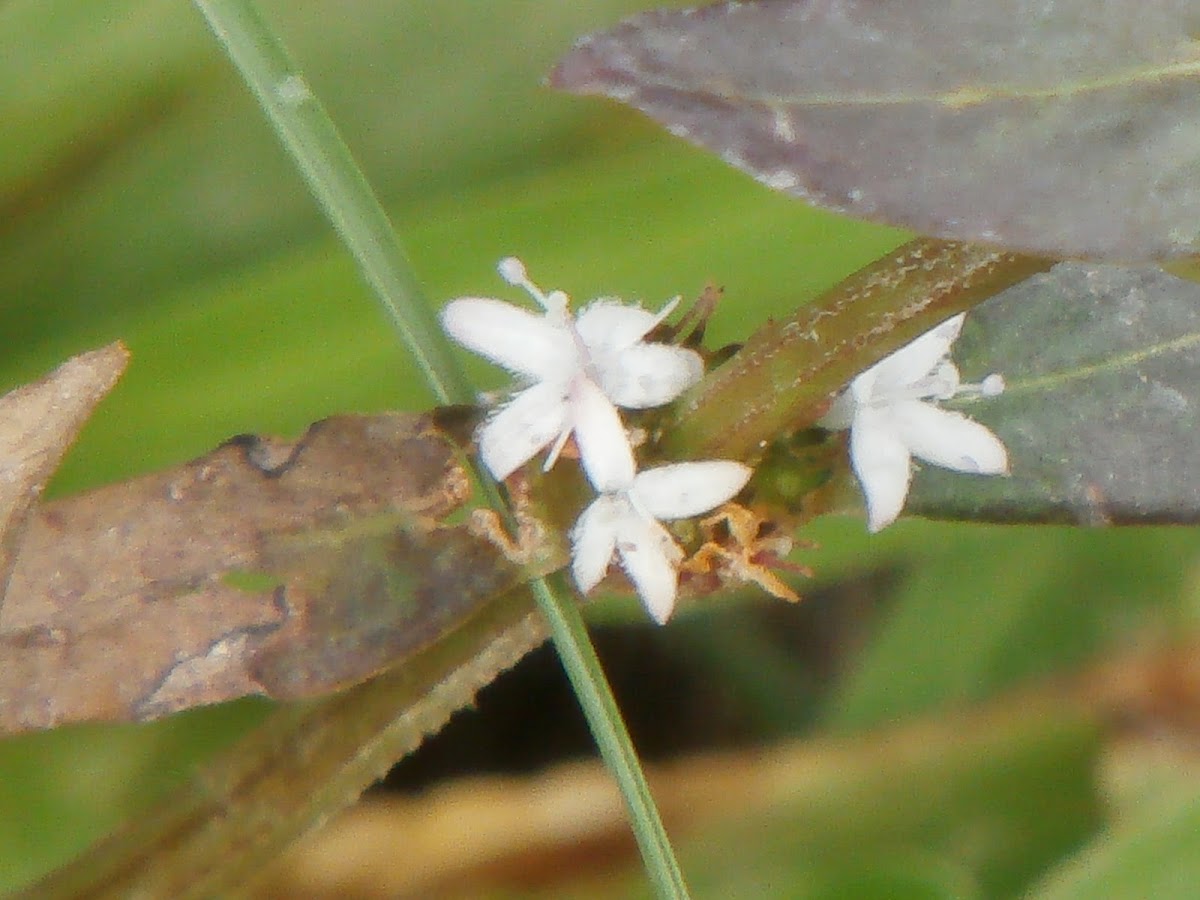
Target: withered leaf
(265, 567)
(1101, 415)
(38, 422)
(1068, 128)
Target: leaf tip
(580, 71)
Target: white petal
(683, 490)
(594, 538)
(647, 375)
(530, 421)
(847, 404)
(883, 466)
(841, 412)
(557, 447)
(610, 325)
(604, 448)
(944, 381)
(948, 439)
(862, 388)
(914, 361)
(651, 558)
(512, 337)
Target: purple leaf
(1101, 414)
(1069, 127)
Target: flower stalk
(787, 373)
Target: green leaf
(987, 608)
(1064, 128)
(137, 163)
(1157, 854)
(990, 797)
(1101, 415)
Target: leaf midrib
(1111, 364)
(957, 98)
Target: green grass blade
(604, 718)
(337, 182)
(340, 187)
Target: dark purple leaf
(1101, 416)
(1069, 127)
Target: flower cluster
(892, 413)
(576, 372)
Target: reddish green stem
(784, 376)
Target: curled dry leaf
(1065, 128)
(38, 422)
(265, 567)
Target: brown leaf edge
(38, 423)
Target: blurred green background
(143, 197)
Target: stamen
(992, 386)
(513, 271)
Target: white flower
(625, 520)
(890, 419)
(578, 369)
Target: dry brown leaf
(265, 567)
(38, 422)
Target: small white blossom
(625, 521)
(578, 368)
(891, 418)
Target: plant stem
(306, 762)
(784, 376)
(343, 192)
